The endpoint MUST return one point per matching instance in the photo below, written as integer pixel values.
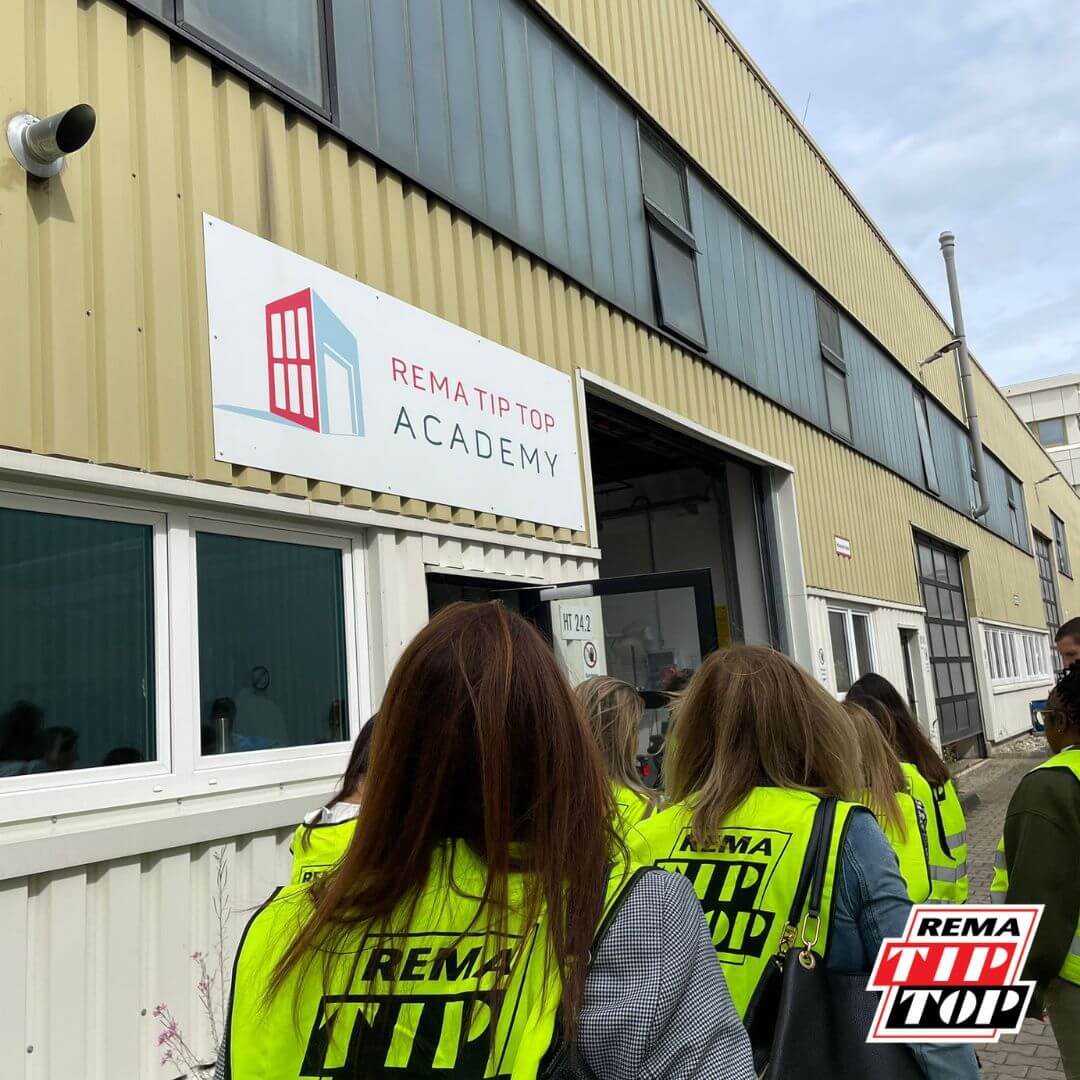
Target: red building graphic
(294, 392)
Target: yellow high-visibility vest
(746, 879)
(413, 998)
(946, 834)
(632, 807)
(999, 889)
(913, 848)
(319, 848)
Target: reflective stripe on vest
(319, 848)
(911, 848)
(999, 887)
(415, 997)
(948, 861)
(746, 878)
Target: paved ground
(1031, 1055)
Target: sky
(943, 115)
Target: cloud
(958, 116)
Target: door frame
(781, 542)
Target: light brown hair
(479, 739)
(751, 716)
(883, 779)
(614, 710)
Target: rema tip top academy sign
(321, 376)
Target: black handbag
(806, 1022)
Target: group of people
(499, 895)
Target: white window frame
(849, 615)
(1016, 656)
(180, 773)
(224, 763)
(162, 763)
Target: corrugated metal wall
(103, 295)
(746, 140)
(736, 127)
(89, 953)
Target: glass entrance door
(651, 630)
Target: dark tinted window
(76, 643)
(837, 398)
(271, 644)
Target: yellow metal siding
(105, 311)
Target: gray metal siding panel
(430, 95)
(484, 102)
(463, 101)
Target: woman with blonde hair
(901, 816)
(614, 711)
(761, 759)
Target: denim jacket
(870, 902)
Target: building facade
(349, 310)
(1051, 409)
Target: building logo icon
(313, 366)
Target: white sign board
(578, 631)
(318, 375)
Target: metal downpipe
(967, 379)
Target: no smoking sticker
(589, 654)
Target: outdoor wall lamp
(946, 348)
(39, 146)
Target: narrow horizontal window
(272, 650)
(926, 447)
(76, 643)
(281, 40)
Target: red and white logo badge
(954, 975)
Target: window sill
(1021, 684)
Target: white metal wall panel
(89, 953)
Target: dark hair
(355, 771)
(479, 739)
(21, 735)
(1065, 697)
(902, 731)
(1070, 629)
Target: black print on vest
(310, 871)
(732, 879)
(356, 1036)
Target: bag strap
(616, 906)
(812, 876)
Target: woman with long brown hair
(483, 921)
(930, 782)
(755, 748)
(902, 817)
(614, 711)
